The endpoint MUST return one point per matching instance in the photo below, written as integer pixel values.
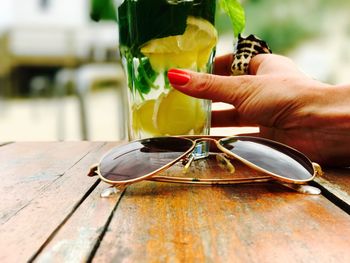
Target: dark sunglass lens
(271, 156)
(139, 158)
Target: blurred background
(60, 73)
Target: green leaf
(151, 19)
(102, 10)
(236, 13)
(154, 19)
(146, 76)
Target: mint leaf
(146, 76)
(151, 19)
(236, 13)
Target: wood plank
(57, 171)
(162, 222)
(28, 168)
(78, 237)
(337, 183)
(5, 143)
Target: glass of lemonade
(155, 36)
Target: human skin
(288, 106)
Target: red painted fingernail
(178, 77)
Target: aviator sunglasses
(144, 159)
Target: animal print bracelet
(245, 50)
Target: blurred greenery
(102, 10)
(283, 24)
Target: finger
(255, 63)
(232, 90)
(222, 65)
(272, 64)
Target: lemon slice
(201, 117)
(177, 114)
(135, 121)
(143, 118)
(190, 50)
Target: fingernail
(178, 77)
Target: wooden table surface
(52, 212)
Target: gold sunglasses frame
(294, 184)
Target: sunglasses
(144, 159)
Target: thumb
(228, 89)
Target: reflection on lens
(139, 158)
(271, 156)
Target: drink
(156, 35)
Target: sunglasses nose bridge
(205, 139)
(212, 144)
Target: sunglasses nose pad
(224, 163)
(93, 171)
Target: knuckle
(206, 83)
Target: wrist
(330, 124)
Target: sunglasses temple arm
(300, 188)
(209, 181)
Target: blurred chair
(62, 80)
(36, 46)
(84, 79)
(39, 86)
(5, 67)
(88, 76)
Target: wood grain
(51, 212)
(4, 143)
(162, 222)
(77, 238)
(29, 168)
(45, 182)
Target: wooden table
(52, 212)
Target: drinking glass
(155, 36)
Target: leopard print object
(245, 50)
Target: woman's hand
(289, 107)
